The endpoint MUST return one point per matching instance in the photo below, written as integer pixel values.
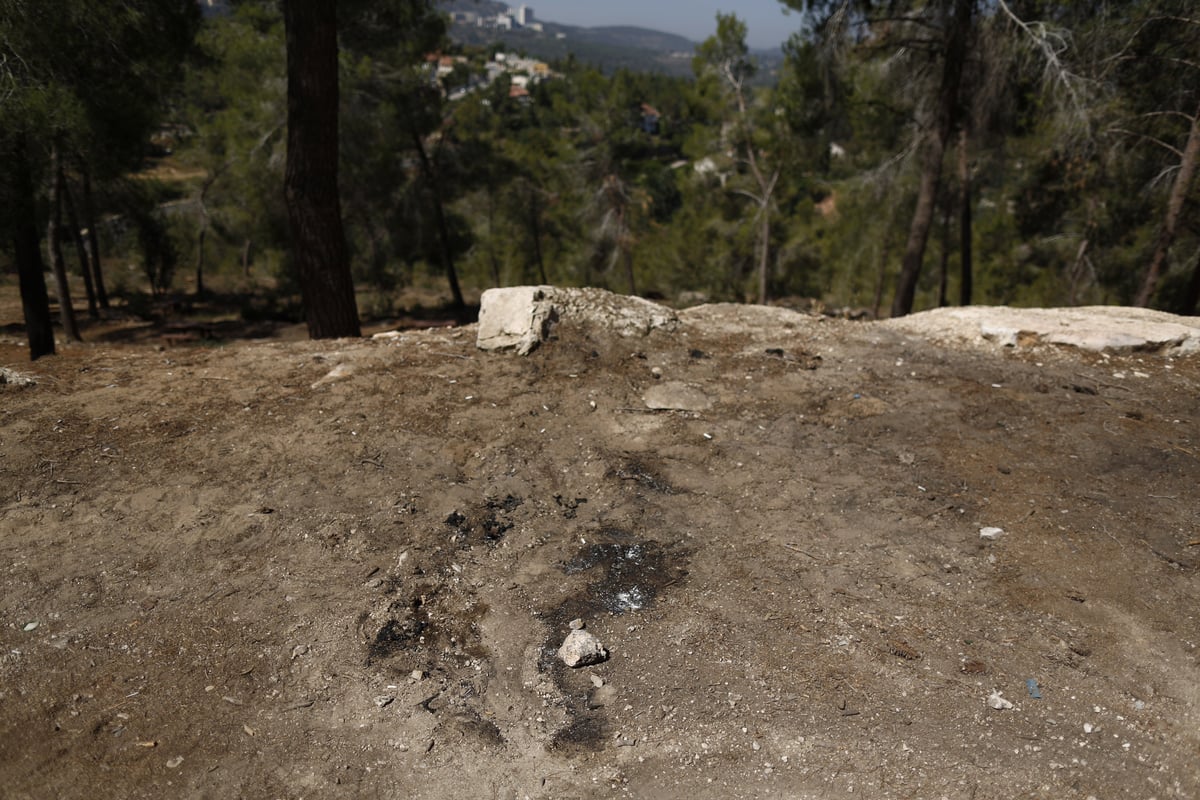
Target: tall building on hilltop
(524, 16)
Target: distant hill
(628, 36)
(609, 48)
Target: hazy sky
(696, 19)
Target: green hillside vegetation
(957, 152)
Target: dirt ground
(342, 569)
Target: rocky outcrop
(521, 317)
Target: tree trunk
(318, 243)
(491, 239)
(1179, 191)
(89, 211)
(627, 254)
(200, 237)
(944, 266)
(246, 258)
(535, 213)
(880, 280)
(66, 311)
(439, 218)
(966, 287)
(1191, 298)
(764, 254)
(35, 301)
(85, 266)
(1077, 272)
(956, 40)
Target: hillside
(608, 47)
(343, 568)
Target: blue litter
(1032, 685)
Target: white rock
(340, 372)
(991, 533)
(581, 649)
(996, 700)
(11, 376)
(520, 317)
(676, 396)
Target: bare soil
(342, 569)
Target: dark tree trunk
(880, 281)
(66, 311)
(318, 243)
(93, 239)
(491, 246)
(200, 237)
(955, 43)
(85, 265)
(439, 218)
(1179, 192)
(535, 223)
(764, 253)
(628, 256)
(944, 266)
(35, 300)
(966, 287)
(1191, 297)
(246, 258)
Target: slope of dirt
(342, 568)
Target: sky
(768, 26)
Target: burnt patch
(467, 727)
(404, 631)
(585, 734)
(488, 525)
(640, 473)
(631, 573)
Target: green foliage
(577, 172)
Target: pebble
(30, 626)
(597, 681)
(174, 762)
(581, 649)
(991, 534)
(996, 700)
(417, 675)
(576, 624)
(384, 700)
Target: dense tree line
(907, 155)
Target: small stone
(996, 700)
(576, 624)
(174, 762)
(991, 534)
(597, 681)
(417, 675)
(581, 649)
(384, 700)
(299, 650)
(30, 626)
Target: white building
(524, 16)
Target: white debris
(581, 649)
(991, 534)
(996, 700)
(338, 373)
